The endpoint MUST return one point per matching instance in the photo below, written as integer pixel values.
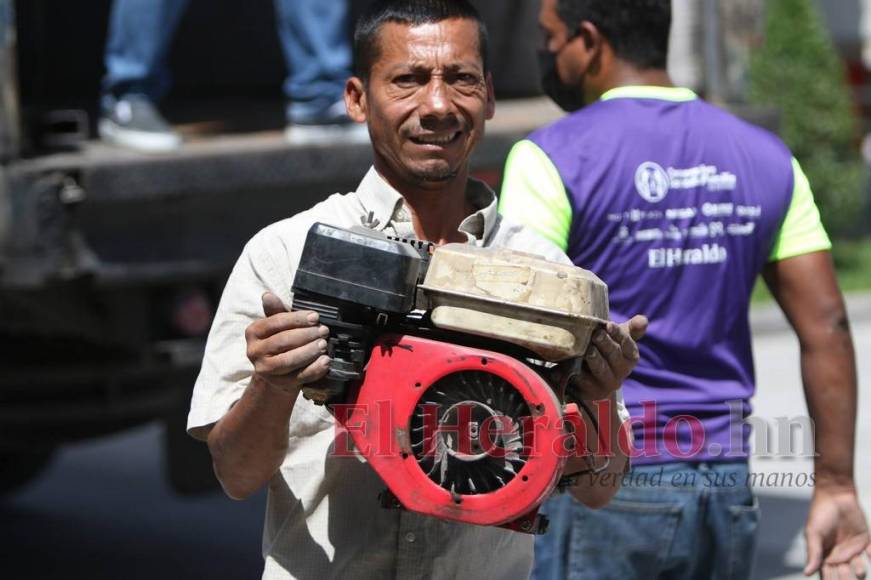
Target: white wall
(842, 16)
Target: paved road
(779, 394)
(104, 511)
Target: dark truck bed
(112, 262)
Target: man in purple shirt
(679, 206)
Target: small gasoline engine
(443, 367)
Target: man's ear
(593, 44)
(491, 97)
(355, 99)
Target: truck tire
(18, 468)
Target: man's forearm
(807, 290)
(249, 443)
(829, 375)
(595, 490)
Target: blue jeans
(680, 520)
(313, 36)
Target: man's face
(557, 37)
(426, 101)
(562, 59)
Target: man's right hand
(249, 443)
(287, 349)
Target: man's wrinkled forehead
(445, 45)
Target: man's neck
(436, 210)
(624, 75)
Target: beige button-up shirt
(323, 519)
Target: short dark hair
(410, 13)
(637, 30)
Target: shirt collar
(676, 94)
(383, 205)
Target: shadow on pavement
(104, 511)
(53, 547)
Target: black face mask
(568, 98)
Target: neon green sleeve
(802, 231)
(533, 194)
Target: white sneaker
(332, 127)
(134, 122)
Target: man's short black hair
(410, 13)
(637, 30)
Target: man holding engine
(424, 90)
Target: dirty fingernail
(322, 344)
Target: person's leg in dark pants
(733, 518)
(317, 49)
(137, 74)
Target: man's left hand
(610, 358)
(837, 535)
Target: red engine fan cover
(401, 370)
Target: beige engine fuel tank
(549, 308)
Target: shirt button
(409, 537)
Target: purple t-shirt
(676, 205)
